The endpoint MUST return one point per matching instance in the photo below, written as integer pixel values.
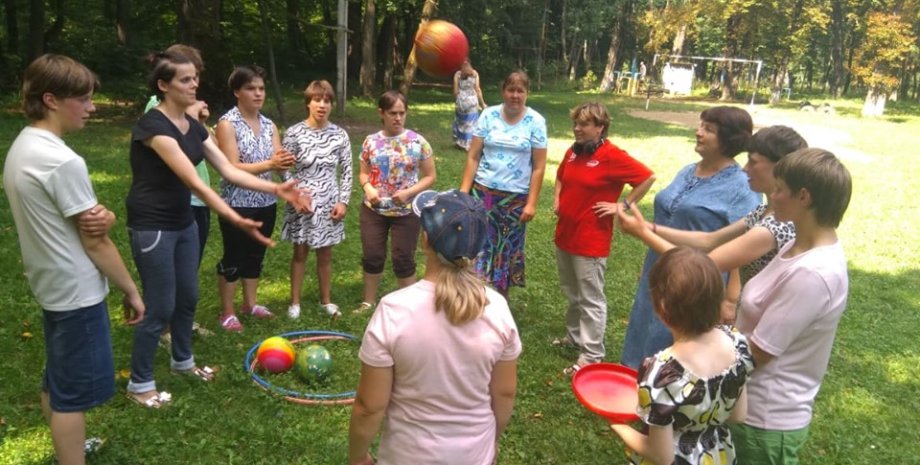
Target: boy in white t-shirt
(66, 251)
(790, 310)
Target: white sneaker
(294, 311)
(331, 309)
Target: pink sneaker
(231, 323)
(258, 311)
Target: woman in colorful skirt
(504, 170)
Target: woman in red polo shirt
(589, 182)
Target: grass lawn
(865, 413)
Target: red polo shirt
(586, 180)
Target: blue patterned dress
(690, 203)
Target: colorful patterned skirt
(501, 262)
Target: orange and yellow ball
(440, 48)
(276, 354)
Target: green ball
(313, 364)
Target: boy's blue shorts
(79, 367)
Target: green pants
(755, 446)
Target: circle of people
(731, 327)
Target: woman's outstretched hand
(300, 198)
(252, 228)
(634, 224)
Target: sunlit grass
(863, 415)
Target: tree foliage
(836, 46)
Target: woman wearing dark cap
(704, 196)
(439, 357)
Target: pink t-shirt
(440, 408)
(790, 310)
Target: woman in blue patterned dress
(322, 154)
(396, 164)
(504, 169)
(749, 243)
(251, 142)
(468, 102)
(704, 196)
(690, 390)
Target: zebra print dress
(323, 165)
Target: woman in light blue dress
(704, 196)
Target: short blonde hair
(593, 112)
(58, 75)
(318, 88)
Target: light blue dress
(694, 204)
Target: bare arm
(503, 388)
(473, 155)
(557, 189)
(371, 401)
(482, 101)
(739, 413)
(636, 226)
(226, 142)
(536, 182)
(234, 175)
(638, 192)
(169, 151)
(96, 221)
(427, 170)
(103, 253)
(658, 446)
(364, 180)
(730, 300)
(761, 357)
(743, 249)
(456, 84)
(701, 239)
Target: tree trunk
(730, 51)
(54, 31)
(573, 66)
(609, 79)
(201, 28)
(874, 106)
(367, 74)
(677, 47)
(541, 48)
(12, 27)
(779, 81)
(838, 31)
(36, 29)
(122, 20)
(272, 69)
(428, 10)
(390, 50)
(294, 32)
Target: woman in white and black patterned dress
(322, 154)
(251, 142)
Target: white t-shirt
(440, 408)
(790, 310)
(46, 184)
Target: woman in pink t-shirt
(439, 357)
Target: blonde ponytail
(459, 292)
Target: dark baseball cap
(454, 221)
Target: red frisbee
(609, 390)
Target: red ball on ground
(440, 48)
